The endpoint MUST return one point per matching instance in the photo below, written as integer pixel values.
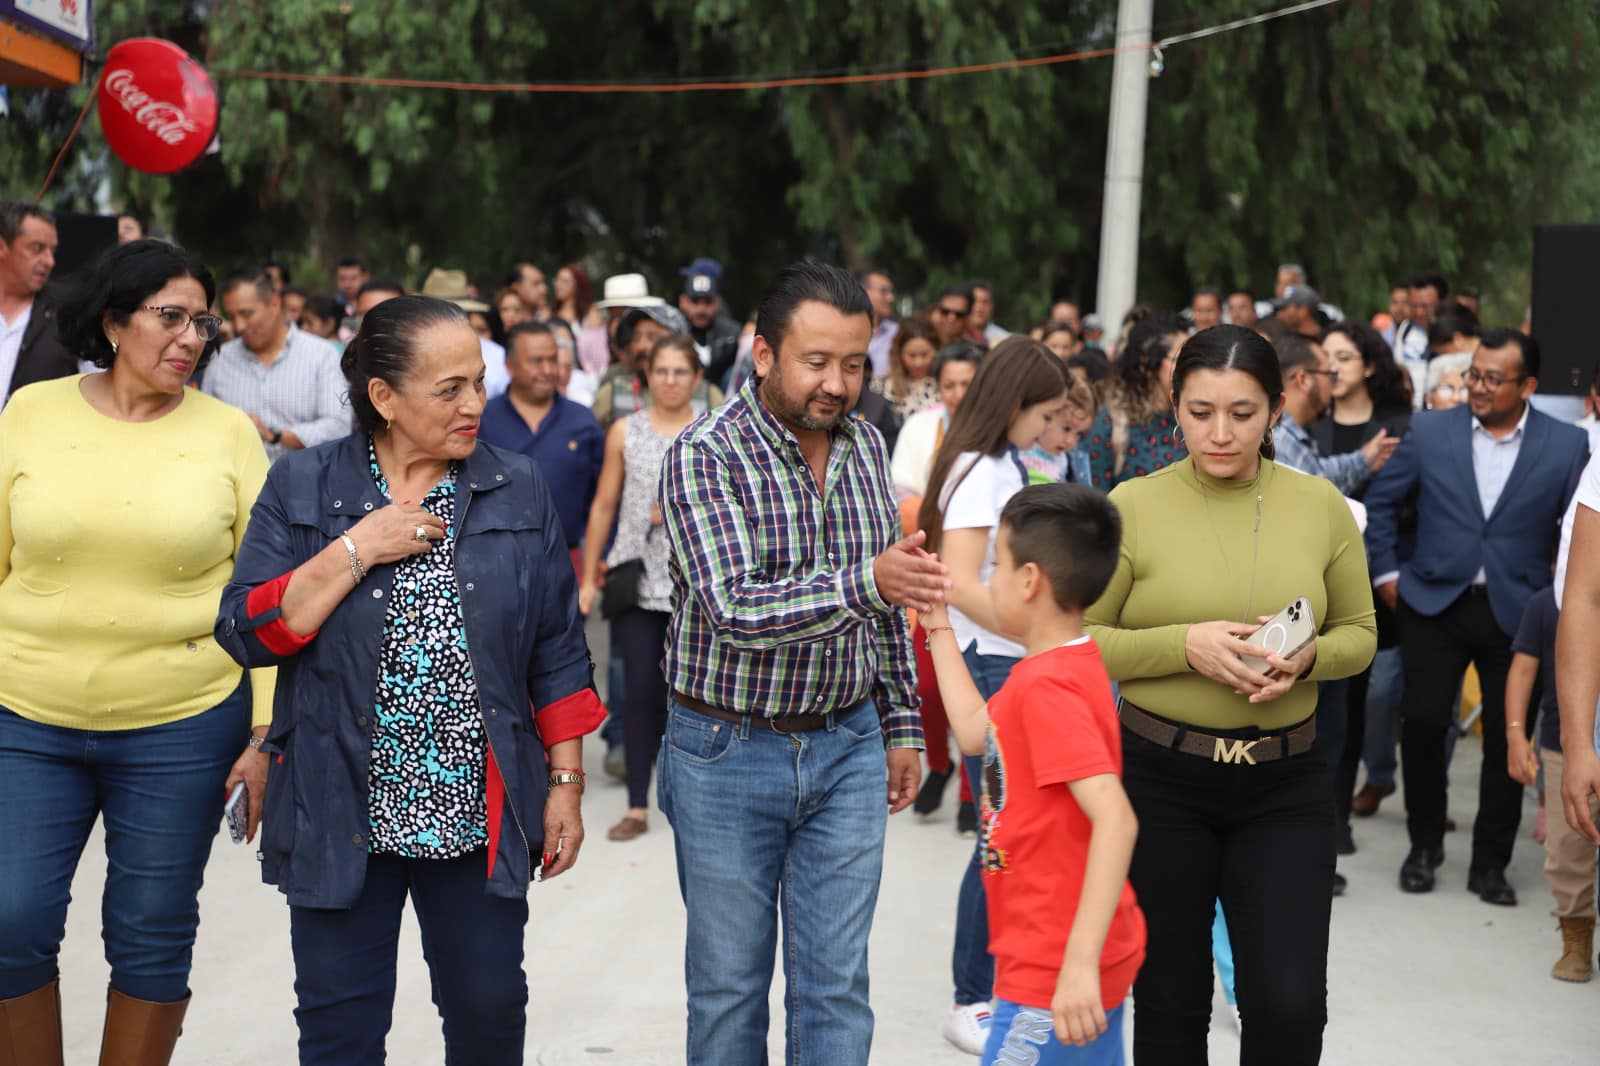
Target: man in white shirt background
(29, 348)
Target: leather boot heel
(139, 1033)
(30, 1028)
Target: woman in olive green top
(1232, 802)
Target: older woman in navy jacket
(414, 589)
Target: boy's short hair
(1071, 532)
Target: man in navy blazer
(1490, 480)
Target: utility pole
(1119, 220)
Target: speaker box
(1566, 293)
(83, 238)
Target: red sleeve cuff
(566, 719)
(276, 637)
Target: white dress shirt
(11, 332)
(302, 390)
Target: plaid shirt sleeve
(709, 528)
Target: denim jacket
(524, 634)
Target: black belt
(790, 723)
(1248, 751)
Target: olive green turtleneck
(1187, 545)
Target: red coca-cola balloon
(158, 107)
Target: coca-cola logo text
(166, 120)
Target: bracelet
(256, 742)
(358, 569)
(928, 644)
(566, 777)
(1513, 725)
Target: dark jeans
(344, 964)
(1435, 652)
(639, 639)
(971, 965)
(159, 790)
(1260, 839)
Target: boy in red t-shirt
(1058, 831)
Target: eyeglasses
(957, 312)
(1494, 381)
(176, 320)
(672, 373)
(1322, 373)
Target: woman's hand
(586, 594)
(390, 533)
(251, 768)
(1283, 673)
(1214, 649)
(1520, 762)
(563, 829)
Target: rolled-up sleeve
(265, 555)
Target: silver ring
(421, 534)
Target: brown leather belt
(783, 723)
(1241, 751)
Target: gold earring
(113, 341)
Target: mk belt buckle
(1235, 752)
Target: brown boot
(30, 1028)
(1577, 951)
(140, 1033)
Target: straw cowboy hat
(452, 285)
(628, 290)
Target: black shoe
(967, 819)
(1339, 883)
(1416, 873)
(1347, 842)
(1492, 887)
(931, 794)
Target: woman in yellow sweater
(1233, 804)
(123, 500)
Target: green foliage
(1367, 140)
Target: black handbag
(621, 593)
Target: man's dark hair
(381, 284)
(297, 290)
(357, 261)
(528, 329)
(979, 283)
(1240, 290)
(121, 282)
(1432, 279)
(963, 291)
(1446, 326)
(1072, 533)
(514, 275)
(1207, 290)
(251, 275)
(1499, 338)
(14, 212)
(1467, 292)
(861, 276)
(803, 281)
(1295, 352)
(283, 271)
(324, 307)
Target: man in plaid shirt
(792, 675)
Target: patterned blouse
(426, 786)
(643, 450)
(1150, 448)
(921, 394)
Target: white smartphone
(237, 812)
(1286, 634)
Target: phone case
(238, 814)
(1285, 634)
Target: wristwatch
(277, 437)
(256, 742)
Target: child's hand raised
(1078, 1013)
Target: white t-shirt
(975, 503)
(1587, 494)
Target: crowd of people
(321, 564)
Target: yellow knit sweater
(116, 539)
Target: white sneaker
(968, 1027)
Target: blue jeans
(160, 791)
(1027, 1035)
(344, 964)
(765, 822)
(1381, 746)
(971, 965)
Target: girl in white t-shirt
(1019, 389)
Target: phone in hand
(237, 813)
(1286, 634)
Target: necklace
(1255, 547)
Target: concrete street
(1440, 979)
